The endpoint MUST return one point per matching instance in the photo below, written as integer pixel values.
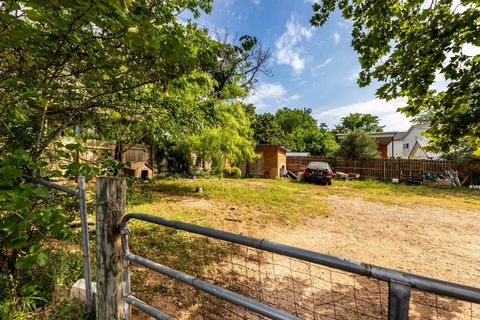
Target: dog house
(140, 170)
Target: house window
(405, 146)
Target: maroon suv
(318, 172)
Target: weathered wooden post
(110, 210)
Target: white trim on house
(400, 144)
(403, 143)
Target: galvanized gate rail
(81, 195)
(400, 283)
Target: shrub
(233, 172)
(358, 144)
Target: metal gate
(400, 285)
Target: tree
(240, 61)
(303, 134)
(70, 61)
(358, 144)
(407, 46)
(69, 65)
(315, 141)
(295, 128)
(293, 119)
(365, 122)
(267, 130)
(230, 138)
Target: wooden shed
(268, 165)
(139, 169)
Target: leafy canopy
(407, 46)
(365, 122)
(107, 69)
(295, 128)
(358, 144)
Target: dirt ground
(429, 241)
(432, 242)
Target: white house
(406, 144)
(409, 144)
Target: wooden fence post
(384, 170)
(110, 210)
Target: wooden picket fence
(386, 169)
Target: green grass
(265, 201)
(258, 201)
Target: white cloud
(265, 93)
(440, 83)
(227, 3)
(354, 76)
(345, 24)
(386, 111)
(256, 2)
(270, 95)
(469, 49)
(288, 50)
(336, 38)
(317, 69)
(321, 65)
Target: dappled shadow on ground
(303, 289)
(174, 188)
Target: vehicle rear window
(318, 165)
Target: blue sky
(312, 67)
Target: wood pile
(452, 176)
(448, 179)
(341, 175)
(346, 176)
(292, 175)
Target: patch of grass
(256, 200)
(261, 202)
(43, 292)
(409, 196)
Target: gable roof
(419, 145)
(402, 135)
(135, 165)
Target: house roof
(402, 135)
(298, 154)
(420, 144)
(387, 136)
(381, 137)
(280, 146)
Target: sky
(311, 67)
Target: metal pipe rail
(81, 195)
(216, 291)
(400, 283)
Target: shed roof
(280, 146)
(298, 154)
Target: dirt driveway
(429, 241)
(435, 242)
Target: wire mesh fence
(303, 289)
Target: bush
(358, 144)
(234, 172)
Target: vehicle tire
(329, 183)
